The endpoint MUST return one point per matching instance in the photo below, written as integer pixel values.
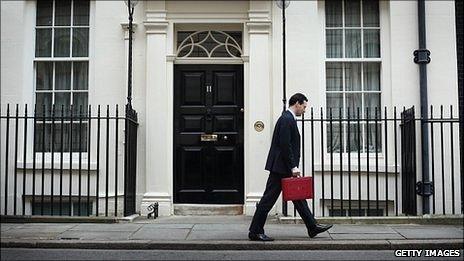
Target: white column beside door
(258, 106)
(158, 167)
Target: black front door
(208, 134)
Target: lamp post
(283, 4)
(130, 6)
(130, 133)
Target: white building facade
(215, 68)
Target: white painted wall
(153, 65)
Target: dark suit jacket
(284, 153)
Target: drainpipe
(422, 58)
(459, 9)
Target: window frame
(380, 60)
(52, 59)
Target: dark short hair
(297, 97)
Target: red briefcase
(297, 188)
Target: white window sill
(57, 165)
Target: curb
(421, 220)
(239, 245)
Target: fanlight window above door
(209, 44)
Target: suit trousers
(271, 193)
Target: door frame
(219, 62)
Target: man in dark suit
(283, 161)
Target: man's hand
(296, 172)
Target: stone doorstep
(207, 210)
(423, 220)
(239, 244)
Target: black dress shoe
(259, 237)
(318, 229)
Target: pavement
(227, 233)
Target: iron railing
(66, 161)
(366, 169)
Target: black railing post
(52, 169)
(348, 147)
(62, 128)
(442, 160)
(331, 163)
(97, 181)
(24, 160)
(322, 162)
(386, 160)
(432, 145)
(34, 150)
(340, 150)
(376, 161)
(116, 162)
(452, 159)
(368, 162)
(7, 139)
(312, 157)
(71, 112)
(360, 147)
(16, 161)
(107, 181)
(43, 161)
(79, 193)
(89, 135)
(395, 131)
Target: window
(37, 208)
(61, 70)
(212, 44)
(356, 212)
(363, 208)
(353, 66)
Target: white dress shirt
(290, 110)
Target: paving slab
(107, 227)
(291, 232)
(366, 236)
(427, 244)
(361, 229)
(431, 232)
(160, 234)
(31, 231)
(59, 227)
(5, 227)
(27, 234)
(167, 225)
(198, 220)
(98, 236)
(217, 235)
(238, 227)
